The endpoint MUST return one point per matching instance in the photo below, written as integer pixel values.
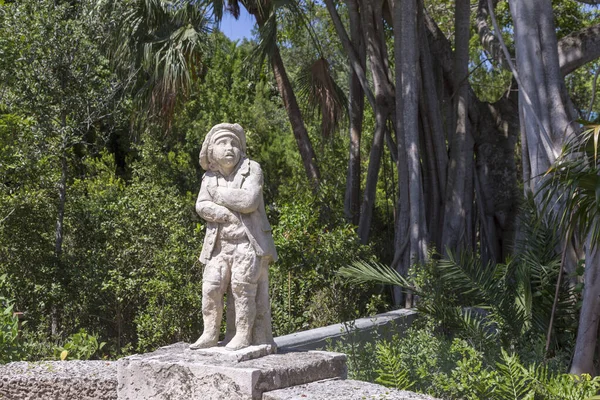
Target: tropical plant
(158, 47)
(490, 303)
(572, 190)
(426, 361)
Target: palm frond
(267, 44)
(321, 93)
(465, 275)
(572, 185)
(370, 271)
(159, 44)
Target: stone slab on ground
(336, 389)
(64, 380)
(176, 372)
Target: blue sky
(237, 30)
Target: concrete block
(342, 390)
(175, 372)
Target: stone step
(177, 373)
(342, 390)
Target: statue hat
(218, 130)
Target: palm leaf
(321, 93)
(370, 271)
(159, 45)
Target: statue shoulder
(209, 176)
(254, 166)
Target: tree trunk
(401, 262)
(587, 332)
(290, 103)
(366, 211)
(351, 51)
(356, 102)
(58, 238)
(382, 111)
(460, 170)
(407, 93)
(293, 110)
(546, 117)
(62, 197)
(496, 176)
(435, 141)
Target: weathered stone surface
(176, 372)
(64, 380)
(243, 354)
(342, 390)
(238, 245)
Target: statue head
(220, 138)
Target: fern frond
(514, 382)
(391, 373)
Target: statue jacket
(241, 194)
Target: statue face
(226, 151)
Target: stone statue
(238, 246)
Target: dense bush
(306, 291)
(426, 361)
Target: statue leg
(263, 333)
(230, 317)
(215, 280)
(212, 312)
(244, 296)
(245, 272)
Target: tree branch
(579, 48)
(486, 36)
(350, 51)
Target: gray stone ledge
(364, 328)
(342, 390)
(64, 380)
(97, 380)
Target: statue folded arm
(211, 211)
(245, 199)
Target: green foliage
(11, 348)
(146, 239)
(426, 361)
(573, 184)
(362, 365)
(305, 290)
(79, 346)
(391, 372)
(157, 47)
(487, 304)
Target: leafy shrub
(426, 361)
(305, 289)
(79, 346)
(10, 345)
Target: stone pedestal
(177, 373)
